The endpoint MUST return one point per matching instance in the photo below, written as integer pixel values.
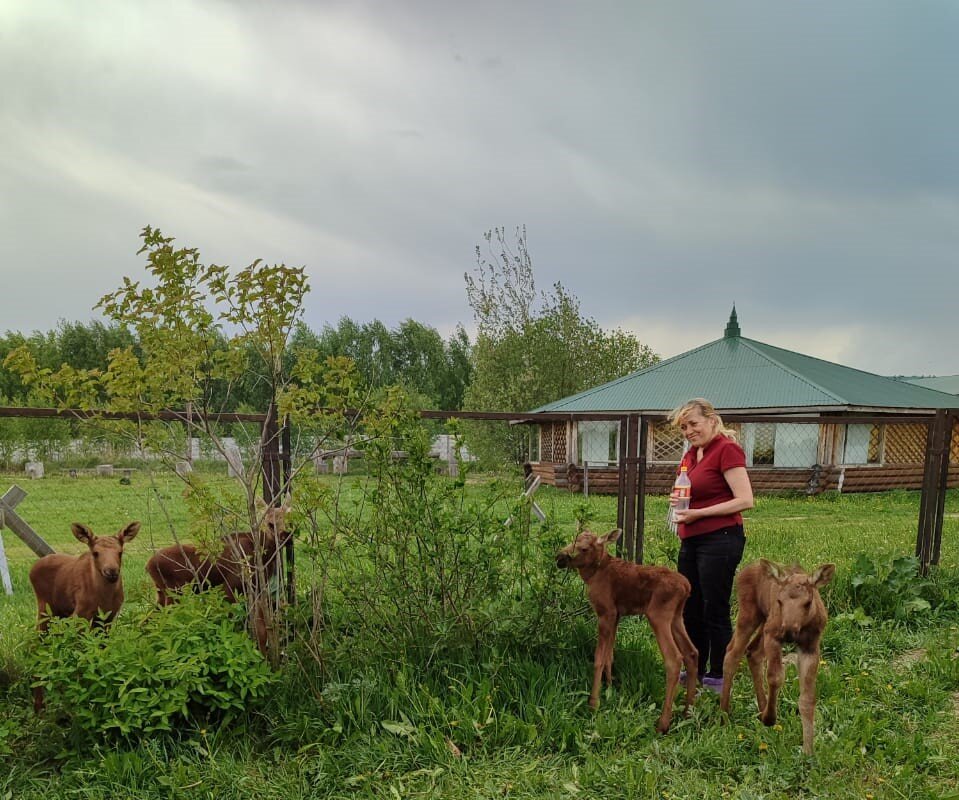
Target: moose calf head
(797, 603)
(273, 522)
(588, 550)
(107, 550)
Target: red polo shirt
(708, 485)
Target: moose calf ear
(823, 574)
(774, 570)
(83, 533)
(127, 533)
(613, 535)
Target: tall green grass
(510, 719)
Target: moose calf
(171, 568)
(778, 604)
(619, 588)
(88, 586)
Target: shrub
(423, 564)
(153, 668)
(889, 592)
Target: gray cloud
(667, 159)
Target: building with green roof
(941, 383)
(745, 376)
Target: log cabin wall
(764, 480)
(901, 467)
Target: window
(597, 441)
(764, 444)
(863, 444)
(796, 444)
(667, 443)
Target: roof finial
(732, 327)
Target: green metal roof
(739, 373)
(941, 383)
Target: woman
(711, 530)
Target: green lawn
(515, 724)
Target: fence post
(629, 515)
(932, 501)
(641, 491)
(621, 496)
(270, 455)
(287, 464)
(946, 443)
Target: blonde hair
(704, 407)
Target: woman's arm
(738, 480)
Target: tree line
(531, 347)
(433, 370)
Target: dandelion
(777, 727)
(763, 746)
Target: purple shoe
(713, 684)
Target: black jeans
(709, 562)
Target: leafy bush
(421, 564)
(152, 669)
(893, 592)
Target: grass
(514, 723)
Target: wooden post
(287, 464)
(15, 523)
(932, 501)
(944, 421)
(629, 511)
(641, 490)
(621, 496)
(4, 567)
(188, 429)
(951, 421)
(270, 455)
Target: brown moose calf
(179, 565)
(778, 604)
(619, 588)
(88, 586)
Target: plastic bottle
(681, 491)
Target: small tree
(201, 331)
(533, 348)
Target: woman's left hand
(687, 516)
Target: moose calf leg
(808, 669)
(690, 657)
(604, 647)
(774, 675)
(672, 659)
(755, 654)
(731, 661)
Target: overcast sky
(667, 158)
